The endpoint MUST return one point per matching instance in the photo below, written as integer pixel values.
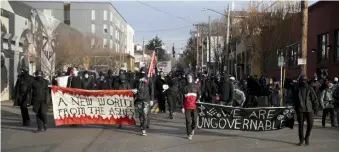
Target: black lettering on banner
(89, 101)
(110, 101)
(247, 119)
(62, 100)
(101, 101)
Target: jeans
(24, 115)
(191, 116)
(337, 113)
(302, 116)
(327, 111)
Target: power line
(163, 29)
(164, 12)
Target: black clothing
(74, 82)
(172, 94)
(327, 111)
(191, 120)
(210, 92)
(40, 92)
(226, 91)
(161, 94)
(87, 83)
(305, 99)
(143, 102)
(103, 85)
(302, 116)
(23, 95)
(144, 90)
(122, 85)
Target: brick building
(322, 46)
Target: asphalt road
(164, 136)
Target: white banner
(76, 106)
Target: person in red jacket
(191, 96)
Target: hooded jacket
(226, 90)
(191, 95)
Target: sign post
(281, 63)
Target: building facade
(100, 21)
(29, 39)
(130, 41)
(322, 43)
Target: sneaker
(144, 133)
(45, 127)
(120, 126)
(192, 133)
(39, 131)
(190, 137)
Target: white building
(130, 41)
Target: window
(67, 12)
(93, 14)
(93, 29)
(111, 30)
(336, 44)
(105, 29)
(92, 42)
(48, 12)
(117, 35)
(104, 43)
(293, 54)
(323, 49)
(111, 16)
(111, 44)
(105, 15)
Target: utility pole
(202, 51)
(304, 26)
(209, 39)
(143, 50)
(227, 40)
(197, 37)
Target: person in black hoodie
(172, 93)
(225, 91)
(161, 92)
(23, 94)
(210, 92)
(40, 95)
(102, 83)
(143, 100)
(122, 84)
(73, 81)
(305, 103)
(87, 82)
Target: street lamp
(208, 9)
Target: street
(165, 135)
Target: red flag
(151, 69)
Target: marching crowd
(182, 90)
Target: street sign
(301, 61)
(281, 61)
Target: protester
(160, 92)
(121, 84)
(172, 93)
(87, 82)
(40, 95)
(74, 81)
(239, 96)
(327, 103)
(143, 97)
(336, 103)
(22, 94)
(192, 95)
(305, 103)
(102, 83)
(210, 93)
(225, 91)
